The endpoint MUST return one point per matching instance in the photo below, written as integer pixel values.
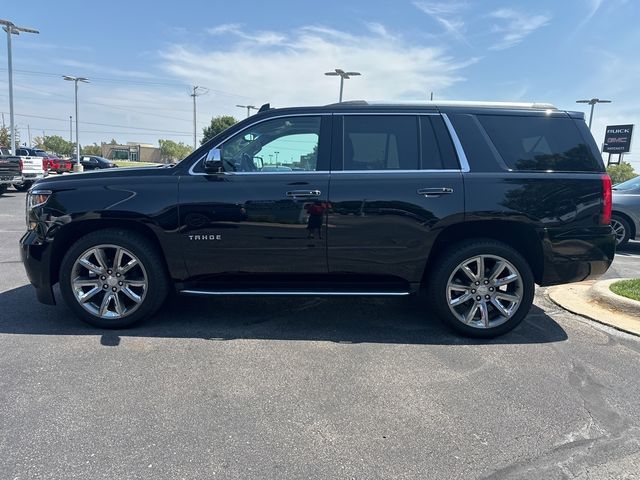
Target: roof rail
(453, 103)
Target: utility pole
(2, 119)
(77, 167)
(431, 96)
(70, 128)
(12, 29)
(29, 130)
(592, 102)
(343, 76)
(276, 153)
(196, 92)
(249, 108)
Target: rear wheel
(113, 278)
(622, 229)
(481, 288)
(3, 188)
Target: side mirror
(213, 162)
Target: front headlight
(35, 198)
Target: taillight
(605, 218)
(21, 163)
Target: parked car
(93, 162)
(625, 218)
(9, 170)
(57, 164)
(33, 166)
(471, 203)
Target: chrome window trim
(454, 137)
(318, 114)
(462, 157)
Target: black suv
(472, 203)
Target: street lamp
(77, 167)
(343, 76)
(249, 108)
(12, 29)
(592, 102)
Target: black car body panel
(379, 227)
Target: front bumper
(577, 256)
(36, 257)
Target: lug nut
(477, 283)
(487, 297)
(118, 274)
(114, 289)
(491, 289)
(109, 272)
(473, 291)
(120, 283)
(478, 298)
(103, 277)
(486, 282)
(105, 286)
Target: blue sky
(142, 57)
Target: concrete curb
(600, 305)
(601, 292)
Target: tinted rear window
(540, 143)
(437, 149)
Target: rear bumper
(36, 259)
(10, 179)
(577, 256)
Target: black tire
(23, 187)
(147, 254)
(622, 224)
(3, 188)
(448, 263)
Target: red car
(57, 164)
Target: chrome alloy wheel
(484, 291)
(619, 230)
(109, 281)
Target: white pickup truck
(33, 167)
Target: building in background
(132, 151)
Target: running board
(292, 293)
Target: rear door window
(437, 149)
(540, 143)
(381, 142)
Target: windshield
(633, 184)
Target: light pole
(77, 167)
(249, 108)
(12, 29)
(592, 102)
(70, 129)
(196, 92)
(343, 76)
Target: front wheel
(622, 230)
(3, 188)
(23, 187)
(481, 288)
(113, 278)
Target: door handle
(435, 192)
(303, 193)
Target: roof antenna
(265, 107)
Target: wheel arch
(73, 231)
(520, 236)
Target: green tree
(5, 137)
(57, 144)
(91, 150)
(621, 172)
(218, 124)
(170, 150)
(113, 142)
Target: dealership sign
(617, 139)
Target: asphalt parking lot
(308, 388)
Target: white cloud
(291, 72)
(448, 15)
(259, 37)
(515, 25)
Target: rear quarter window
(540, 143)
